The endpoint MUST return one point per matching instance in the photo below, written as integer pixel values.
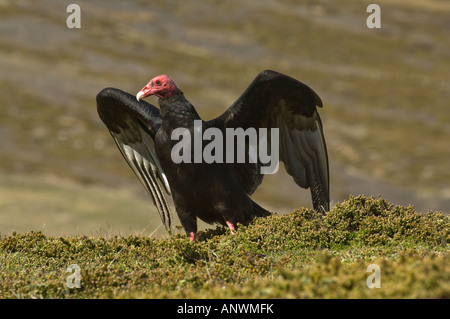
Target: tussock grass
(298, 255)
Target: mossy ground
(298, 255)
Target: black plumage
(218, 192)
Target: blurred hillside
(385, 92)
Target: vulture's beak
(140, 95)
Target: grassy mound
(298, 255)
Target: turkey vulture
(218, 191)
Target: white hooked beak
(139, 95)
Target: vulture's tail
(258, 211)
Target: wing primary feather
(157, 169)
(149, 182)
(153, 188)
(311, 145)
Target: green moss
(298, 255)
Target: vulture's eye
(158, 82)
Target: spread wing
(274, 100)
(133, 126)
